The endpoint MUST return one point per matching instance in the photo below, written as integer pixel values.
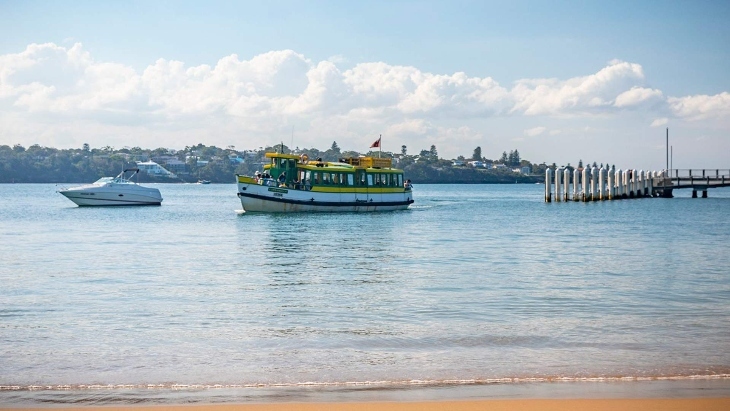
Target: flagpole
(380, 145)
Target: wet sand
(613, 404)
(665, 395)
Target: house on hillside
(235, 159)
(175, 165)
(154, 169)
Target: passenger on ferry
(407, 185)
(266, 179)
(282, 179)
(257, 177)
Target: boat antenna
(292, 139)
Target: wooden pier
(697, 180)
(598, 184)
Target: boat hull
(100, 197)
(262, 198)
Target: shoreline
(606, 404)
(626, 395)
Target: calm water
(475, 284)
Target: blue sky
(559, 81)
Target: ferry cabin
(295, 183)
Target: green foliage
(422, 172)
(513, 159)
(38, 164)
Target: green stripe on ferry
(346, 189)
(278, 190)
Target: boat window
(315, 177)
(307, 181)
(350, 179)
(325, 178)
(400, 180)
(300, 178)
(370, 180)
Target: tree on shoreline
(38, 164)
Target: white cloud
(535, 131)
(701, 107)
(636, 96)
(338, 59)
(659, 122)
(588, 94)
(62, 96)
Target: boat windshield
(104, 180)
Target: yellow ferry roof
(370, 164)
(334, 167)
(280, 155)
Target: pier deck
(695, 179)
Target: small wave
(379, 383)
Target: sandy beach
(634, 404)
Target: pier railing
(700, 173)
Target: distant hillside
(49, 165)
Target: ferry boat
(294, 183)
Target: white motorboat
(113, 191)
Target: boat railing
(367, 162)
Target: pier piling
(604, 183)
(548, 183)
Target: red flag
(376, 143)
